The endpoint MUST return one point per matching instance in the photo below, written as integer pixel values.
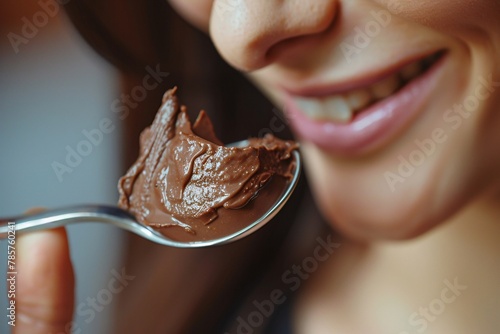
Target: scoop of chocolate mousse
(190, 187)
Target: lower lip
(374, 126)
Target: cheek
(196, 12)
(458, 18)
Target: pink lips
(372, 127)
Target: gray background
(51, 91)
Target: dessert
(189, 186)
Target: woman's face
(395, 102)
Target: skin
(293, 43)
(45, 284)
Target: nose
(246, 31)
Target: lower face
(416, 148)
(398, 123)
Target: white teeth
(341, 108)
(311, 107)
(334, 108)
(338, 109)
(358, 99)
(410, 71)
(386, 87)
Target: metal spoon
(123, 219)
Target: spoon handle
(63, 216)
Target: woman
(395, 106)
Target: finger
(45, 283)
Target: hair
(132, 35)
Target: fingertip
(45, 280)
(43, 256)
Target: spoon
(123, 219)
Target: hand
(45, 283)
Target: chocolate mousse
(191, 187)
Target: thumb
(45, 283)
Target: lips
(355, 120)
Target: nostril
(285, 47)
(256, 28)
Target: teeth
(410, 71)
(338, 109)
(359, 98)
(311, 107)
(341, 108)
(333, 108)
(386, 87)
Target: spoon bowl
(123, 219)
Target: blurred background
(52, 88)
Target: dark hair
(134, 34)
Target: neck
(443, 282)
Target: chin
(356, 200)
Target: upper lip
(356, 81)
